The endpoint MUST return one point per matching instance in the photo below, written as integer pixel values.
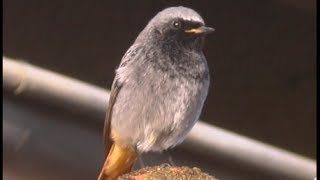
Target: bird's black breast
(178, 62)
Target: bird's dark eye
(176, 24)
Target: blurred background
(262, 59)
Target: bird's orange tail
(119, 161)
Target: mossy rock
(167, 172)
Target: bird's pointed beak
(200, 30)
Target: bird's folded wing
(107, 123)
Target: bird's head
(176, 25)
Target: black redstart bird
(158, 91)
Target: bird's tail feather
(119, 161)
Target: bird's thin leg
(170, 159)
(141, 163)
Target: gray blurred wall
(261, 57)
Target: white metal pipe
(214, 142)
(25, 79)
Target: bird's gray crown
(165, 16)
(184, 13)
